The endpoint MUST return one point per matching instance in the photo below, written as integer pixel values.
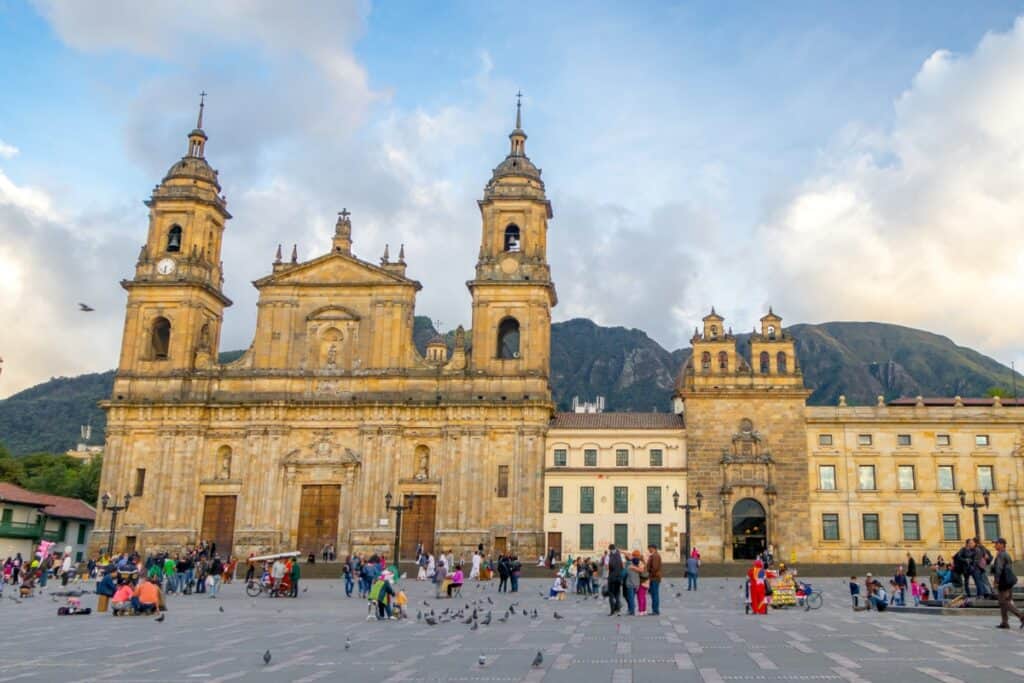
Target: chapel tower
(175, 303)
(512, 292)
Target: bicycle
(807, 597)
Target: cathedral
(295, 445)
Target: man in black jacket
(615, 569)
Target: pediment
(334, 269)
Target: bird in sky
(85, 308)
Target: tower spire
(518, 136)
(519, 110)
(202, 103)
(197, 138)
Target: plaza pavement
(701, 636)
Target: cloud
(921, 223)
(7, 151)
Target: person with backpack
(616, 574)
(1005, 579)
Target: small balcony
(23, 530)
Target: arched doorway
(749, 529)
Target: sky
(846, 161)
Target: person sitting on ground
(878, 598)
(121, 603)
(146, 597)
(945, 581)
(456, 580)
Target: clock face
(165, 266)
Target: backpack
(1006, 579)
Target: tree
(1001, 392)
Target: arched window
(723, 361)
(771, 331)
(765, 362)
(705, 362)
(512, 237)
(508, 339)
(780, 362)
(174, 238)
(161, 338)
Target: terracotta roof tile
(53, 506)
(617, 421)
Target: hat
(1001, 540)
(868, 575)
(636, 553)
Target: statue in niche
(224, 465)
(422, 462)
(332, 356)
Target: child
(915, 592)
(924, 590)
(400, 602)
(896, 593)
(855, 592)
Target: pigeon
(85, 308)
(558, 616)
(542, 595)
(534, 615)
(426, 604)
(538, 660)
(474, 626)
(481, 660)
(489, 601)
(468, 620)
(487, 619)
(348, 642)
(504, 618)
(679, 595)
(525, 613)
(221, 609)
(419, 615)
(266, 657)
(431, 620)
(160, 618)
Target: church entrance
(418, 527)
(318, 517)
(749, 529)
(219, 523)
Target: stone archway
(749, 529)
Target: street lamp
(114, 509)
(974, 505)
(398, 509)
(687, 507)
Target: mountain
(631, 370)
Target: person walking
(654, 571)
(692, 570)
(503, 574)
(1005, 580)
(616, 568)
(296, 575)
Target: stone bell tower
(512, 292)
(175, 303)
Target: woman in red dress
(755, 576)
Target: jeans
(877, 604)
(614, 596)
(349, 585)
(1006, 606)
(216, 585)
(172, 583)
(940, 592)
(691, 581)
(630, 599)
(981, 579)
(181, 578)
(655, 592)
(503, 583)
(515, 583)
(142, 606)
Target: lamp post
(114, 509)
(974, 505)
(398, 509)
(687, 507)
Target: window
(160, 339)
(654, 500)
(654, 535)
(869, 525)
(78, 556)
(991, 527)
(512, 237)
(622, 536)
(705, 362)
(508, 339)
(827, 477)
(951, 527)
(7, 516)
(174, 238)
(906, 477)
(621, 457)
(561, 457)
(864, 439)
(502, 481)
(587, 499)
(81, 533)
(771, 332)
(765, 362)
(62, 531)
(866, 477)
(986, 480)
(621, 499)
(911, 527)
(723, 361)
(981, 440)
(942, 440)
(590, 457)
(946, 480)
(903, 439)
(140, 482)
(824, 439)
(657, 457)
(554, 499)
(586, 536)
(780, 362)
(830, 527)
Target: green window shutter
(587, 499)
(621, 499)
(8, 516)
(555, 499)
(62, 532)
(81, 533)
(622, 536)
(657, 457)
(586, 536)
(654, 500)
(654, 535)
(590, 457)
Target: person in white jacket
(474, 573)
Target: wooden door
(219, 523)
(418, 527)
(500, 545)
(318, 517)
(555, 543)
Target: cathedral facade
(295, 444)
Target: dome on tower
(516, 175)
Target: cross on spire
(344, 213)
(202, 103)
